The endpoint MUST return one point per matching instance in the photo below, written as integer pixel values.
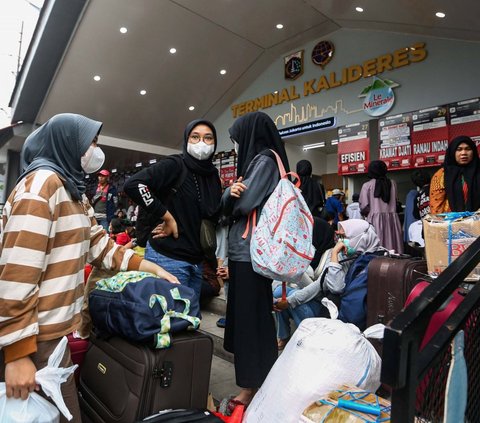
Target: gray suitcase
(123, 382)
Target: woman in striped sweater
(48, 234)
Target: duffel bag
(141, 307)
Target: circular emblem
(322, 53)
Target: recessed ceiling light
(279, 26)
(359, 9)
(173, 50)
(223, 72)
(191, 108)
(275, 92)
(123, 30)
(143, 92)
(440, 15)
(97, 78)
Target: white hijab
(361, 234)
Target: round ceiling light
(123, 30)
(223, 72)
(173, 50)
(440, 15)
(143, 92)
(359, 9)
(97, 78)
(279, 26)
(191, 108)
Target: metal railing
(417, 377)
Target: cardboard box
(445, 240)
(327, 410)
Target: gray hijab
(361, 235)
(58, 145)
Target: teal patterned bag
(141, 307)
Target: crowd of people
(50, 230)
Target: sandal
(227, 406)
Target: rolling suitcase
(78, 349)
(390, 280)
(123, 382)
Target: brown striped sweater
(46, 240)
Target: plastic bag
(322, 355)
(36, 409)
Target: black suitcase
(122, 382)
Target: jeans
(188, 274)
(312, 308)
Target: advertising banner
(353, 149)
(395, 145)
(465, 120)
(429, 136)
(225, 162)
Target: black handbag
(208, 238)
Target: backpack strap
(253, 217)
(283, 173)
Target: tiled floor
(222, 377)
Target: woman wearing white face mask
(177, 193)
(48, 232)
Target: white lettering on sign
(145, 193)
(353, 157)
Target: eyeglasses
(207, 139)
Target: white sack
(322, 355)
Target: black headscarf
(378, 170)
(206, 174)
(256, 133)
(59, 145)
(310, 189)
(323, 239)
(454, 173)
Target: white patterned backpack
(281, 245)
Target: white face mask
(235, 147)
(200, 150)
(93, 159)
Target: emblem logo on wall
(322, 53)
(379, 97)
(294, 65)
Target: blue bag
(353, 301)
(141, 307)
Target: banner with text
(429, 136)
(395, 145)
(353, 149)
(465, 120)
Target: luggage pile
(145, 354)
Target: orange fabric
(438, 193)
(19, 349)
(134, 262)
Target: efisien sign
(399, 58)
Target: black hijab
(205, 173)
(256, 133)
(59, 145)
(454, 173)
(310, 189)
(378, 170)
(323, 239)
